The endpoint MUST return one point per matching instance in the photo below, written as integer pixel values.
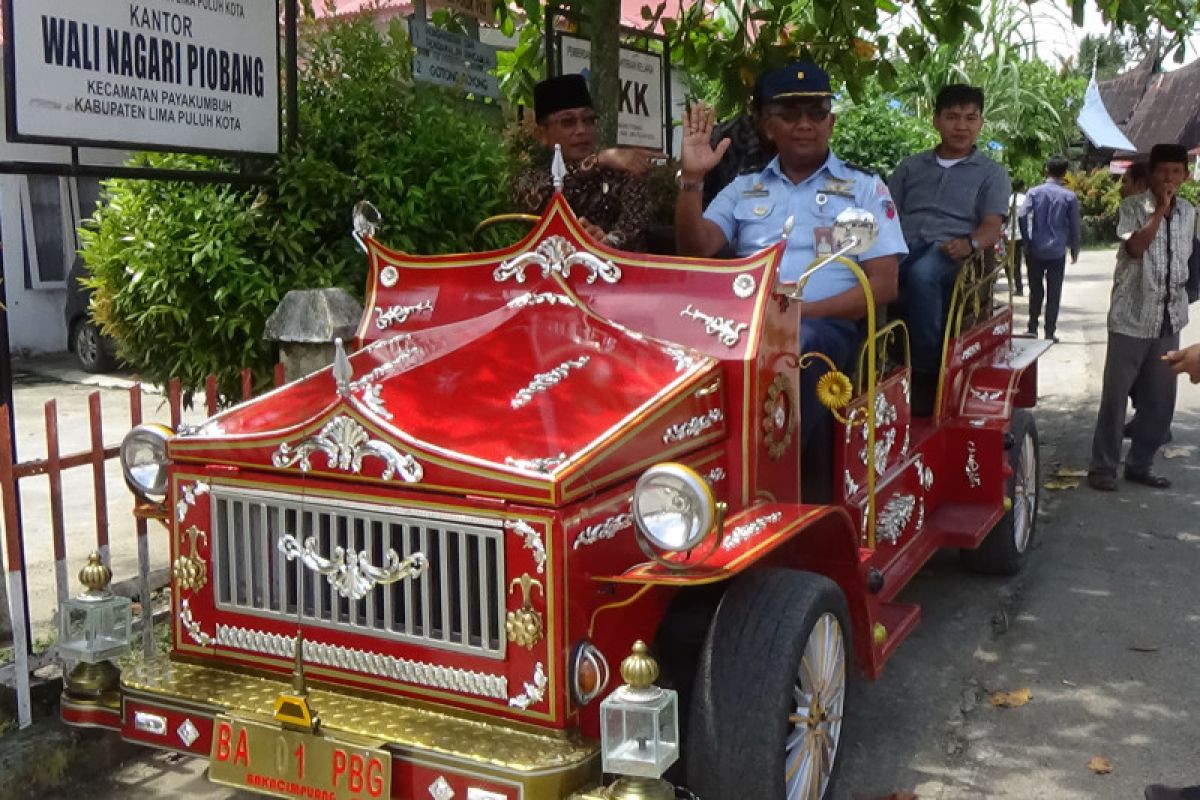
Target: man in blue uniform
(805, 181)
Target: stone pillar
(305, 324)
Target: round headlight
(673, 507)
(144, 461)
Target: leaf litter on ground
(1013, 699)
(1100, 765)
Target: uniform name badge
(823, 240)
(757, 190)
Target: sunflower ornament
(834, 390)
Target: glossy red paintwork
(642, 360)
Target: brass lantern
(94, 628)
(640, 730)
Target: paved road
(1101, 628)
(37, 381)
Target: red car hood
(538, 401)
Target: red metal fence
(72, 473)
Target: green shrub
(1099, 196)
(185, 274)
(878, 133)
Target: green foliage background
(185, 275)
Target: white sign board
(432, 69)
(167, 74)
(640, 120)
(453, 61)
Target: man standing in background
(1149, 308)
(1016, 244)
(1050, 226)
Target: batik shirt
(615, 201)
(1147, 288)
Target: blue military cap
(794, 81)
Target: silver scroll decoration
(400, 352)
(749, 530)
(727, 331)
(533, 541)
(345, 444)
(895, 516)
(682, 358)
(557, 255)
(535, 690)
(714, 475)
(544, 380)
(372, 397)
(885, 412)
(985, 396)
(190, 494)
(693, 427)
(603, 530)
(351, 572)
(381, 665)
(398, 315)
(538, 299)
(883, 449)
(194, 631)
(547, 464)
(971, 468)
(924, 474)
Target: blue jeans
(926, 281)
(838, 339)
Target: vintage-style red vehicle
(533, 458)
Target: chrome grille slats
(456, 604)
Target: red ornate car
(533, 458)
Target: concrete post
(305, 324)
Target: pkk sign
(169, 74)
(640, 120)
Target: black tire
(1005, 548)
(92, 350)
(751, 686)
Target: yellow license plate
(264, 758)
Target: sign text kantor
(182, 74)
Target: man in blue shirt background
(805, 181)
(1050, 226)
(952, 202)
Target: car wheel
(91, 348)
(1004, 550)
(767, 712)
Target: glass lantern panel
(95, 630)
(640, 738)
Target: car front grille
(457, 603)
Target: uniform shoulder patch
(865, 170)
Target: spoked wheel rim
(815, 724)
(87, 344)
(1025, 489)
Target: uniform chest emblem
(760, 211)
(842, 188)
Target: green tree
(185, 275)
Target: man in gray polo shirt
(952, 202)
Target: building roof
(1169, 111)
(1122, 93)
(1151, 107)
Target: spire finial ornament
(342, 371)
(558, 168)
(95, 575)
